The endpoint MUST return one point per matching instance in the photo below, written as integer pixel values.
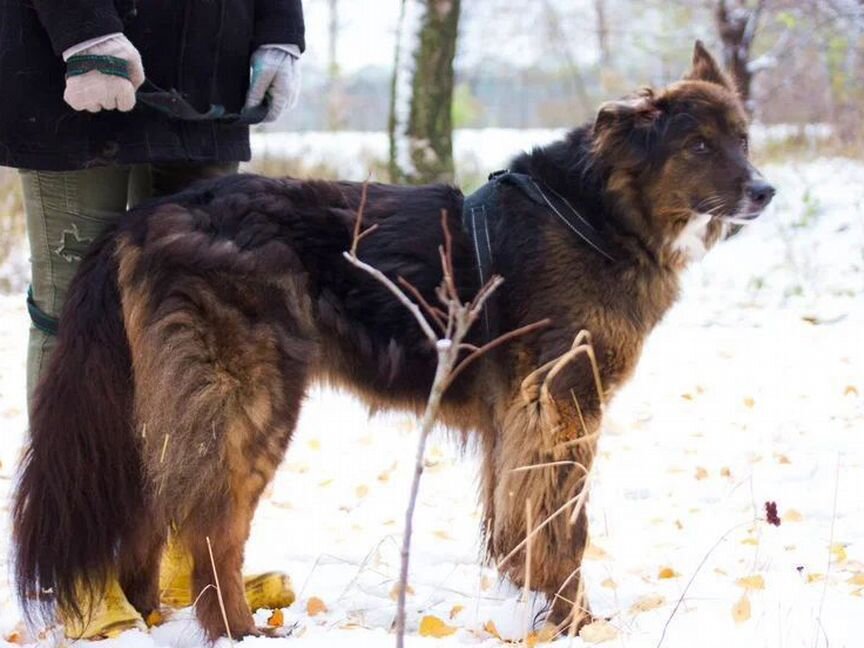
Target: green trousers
(66, 211)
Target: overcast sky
(368, 32)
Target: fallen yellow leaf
(489, 627)
(455, 610)
(595, 552)
(749, 402)
(611, 584)
(857, 579)
(701, 473)
(667, 572)
(314, 444)
(725, 472)
(315, 606)
(546, 634)
(839, 552)
(792, 516)
(851, 390)
(741, 610)
(815, 577)
(782, 459)
(362, 490)
(394, 593)
(597, 632)
(276, 620)
(750, 541)
(432, 626)
(441, 534)
(755, 582)
(647, 603)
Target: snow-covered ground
(477, 151)
(750, 391)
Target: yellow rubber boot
(175, 577)
(270, 590)
(105, 618)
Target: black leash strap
(175, 106)
(483, 204)
(41, 320)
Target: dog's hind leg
(219, 394)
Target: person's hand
(94, 83)
(276, 75)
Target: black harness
(482, 205)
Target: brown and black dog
(195, 327)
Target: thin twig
(393, 288)
(830, 546)
(501, 339)
(358, 221)
(693, 578)
(435, 313)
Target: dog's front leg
(546, 445)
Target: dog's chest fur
(692, 241)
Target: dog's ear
(624, 130)
(640, 110)
(705, 68)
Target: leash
(169, 102)
(483, 204)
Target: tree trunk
(421, 123)
(737, 27)
(602, 33)
(335, 94)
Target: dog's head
(678, 158)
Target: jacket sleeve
(69, 22)
(279, 22)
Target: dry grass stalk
(219, 591)
(527, 585)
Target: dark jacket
(199, 47)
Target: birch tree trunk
(421, 123)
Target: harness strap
(41, 320)
(482, 205)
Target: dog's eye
(699, 146)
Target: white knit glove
(275, 74)
(95, 90)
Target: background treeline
(548, 63)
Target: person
(107, 103)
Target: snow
(750, 391)
(477, 151)
(351, 154)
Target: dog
(196, 325)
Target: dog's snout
(760, 192)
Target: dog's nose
(760, 192)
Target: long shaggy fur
(195, 327)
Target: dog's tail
(80, 485)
